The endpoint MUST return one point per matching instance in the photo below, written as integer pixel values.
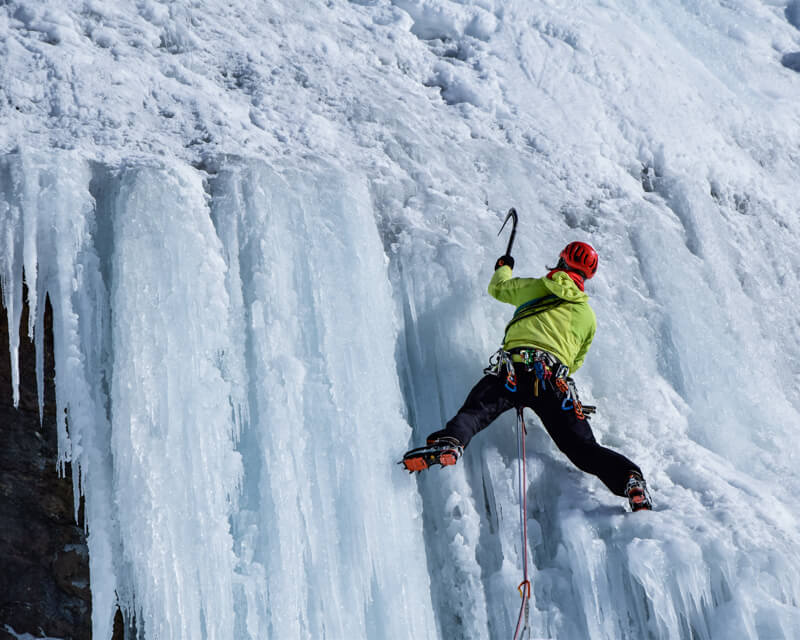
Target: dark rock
(43, 555)
(792, 13)
(791, 61)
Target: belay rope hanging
(523, 629)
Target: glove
(504, 261)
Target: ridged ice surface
(266, 233)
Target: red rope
(524, 587)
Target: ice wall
(227, 337)
(688, 368)
(173, 427)
(329, 533)
(238, 363)
(225, 382)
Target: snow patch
(235, 415)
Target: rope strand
(524, 587)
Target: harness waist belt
(518, 355)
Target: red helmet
(580, 257)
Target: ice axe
(512, 215)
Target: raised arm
(506, 288)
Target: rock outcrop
(44, 564)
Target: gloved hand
(504, 261)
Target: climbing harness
(547, 370)
(544, 366)
(523, 629)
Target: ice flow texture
(182, 352)
(224, 343)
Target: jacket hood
(562, 285)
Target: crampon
(636, 491)
(444, 452)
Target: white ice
(266, 233)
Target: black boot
(438, 435)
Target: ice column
(175, 467)
(334, 530)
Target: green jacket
(565, 331)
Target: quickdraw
(511, 382)
(498, 361)
(570, 401)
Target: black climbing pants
(572, 434)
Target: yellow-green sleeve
(504, 287)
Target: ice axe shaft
(512, 215)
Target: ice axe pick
(512, 215)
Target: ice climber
(546, 340)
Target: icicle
(11, 222)
(46, 214)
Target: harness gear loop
(498, 361)
(571, 400)
(494, 364)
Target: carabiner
(511, 383)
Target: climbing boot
(444, 451)
(636, 492)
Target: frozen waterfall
(228, 395)
(239, 365)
